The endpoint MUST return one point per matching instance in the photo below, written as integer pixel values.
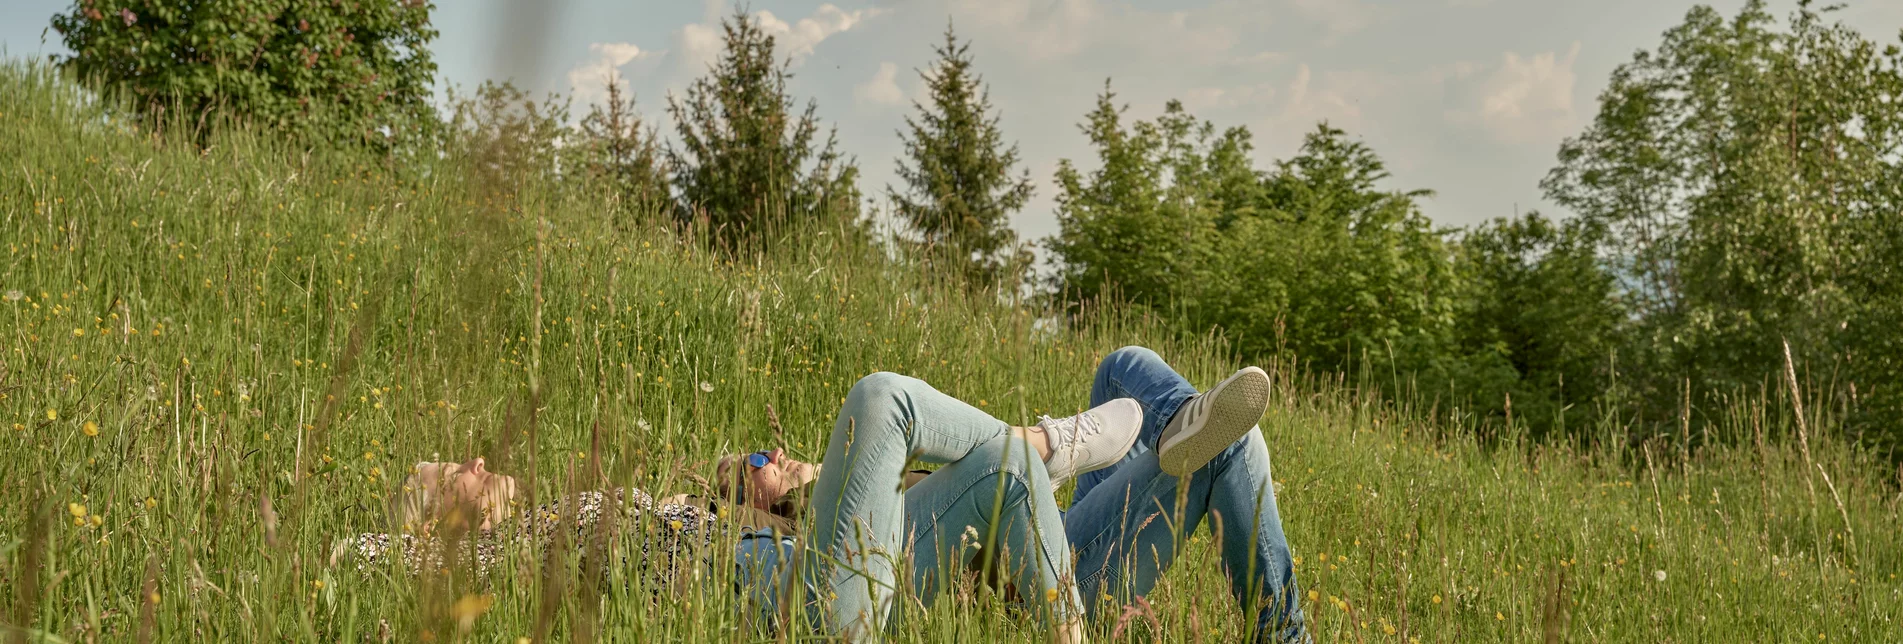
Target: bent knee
(1126, 355)
(1017, 460)
(878, 383)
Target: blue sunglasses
(758, 459)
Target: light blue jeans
(1124, 523)
(865, 524)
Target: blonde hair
(430, 495)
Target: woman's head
(463, 494)
(760, 479)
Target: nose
(777, 455)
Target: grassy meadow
(219, 360)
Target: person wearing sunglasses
(862, 519)
(830, 541)
(865, 520)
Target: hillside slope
(216, 362)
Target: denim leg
(1136, 372)
(858, 506)
(1123, 527)
(952, 513)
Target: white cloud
(700, 43)
(1525, 100)
(798, 39)
(882, 88)
(589, 80)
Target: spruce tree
(960, 188)
(620, 155)
(743, 159)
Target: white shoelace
(1073, 427)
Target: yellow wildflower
(90, 428)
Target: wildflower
(79, 332)
(707, 387)
(1499, 617)
(1658, 575)
(469, 608)
(14, 295)
(78, 511)
(1050, 595)
(90, 428)
(52, 414)
(96, 520)
(317, 583)
(151, 502)
(1437, 600)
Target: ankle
(1039, 440)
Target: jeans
(864, 523)
(1123, 523)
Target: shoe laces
(1082, 424)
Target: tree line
(1737, 202)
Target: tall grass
(224, 359)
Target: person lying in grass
(864, 513)
(1123, 528)
(857, 507)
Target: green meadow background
(219, 360)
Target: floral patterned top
(669, 537)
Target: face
(770, 482)
(488, 492)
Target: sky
(1468, 98)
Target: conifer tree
(744, 156)
(960, 188)
(621, 155)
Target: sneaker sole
(1231, 416)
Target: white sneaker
(1092, 440)
(1209, 423)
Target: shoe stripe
(1231, 410)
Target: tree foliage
(1311, 257)
(960, 189)
(745, 160)
(1541, 321)
(621, 156)
(506, 135)
(1748, 177)
(1135, 225)
(348, 72)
